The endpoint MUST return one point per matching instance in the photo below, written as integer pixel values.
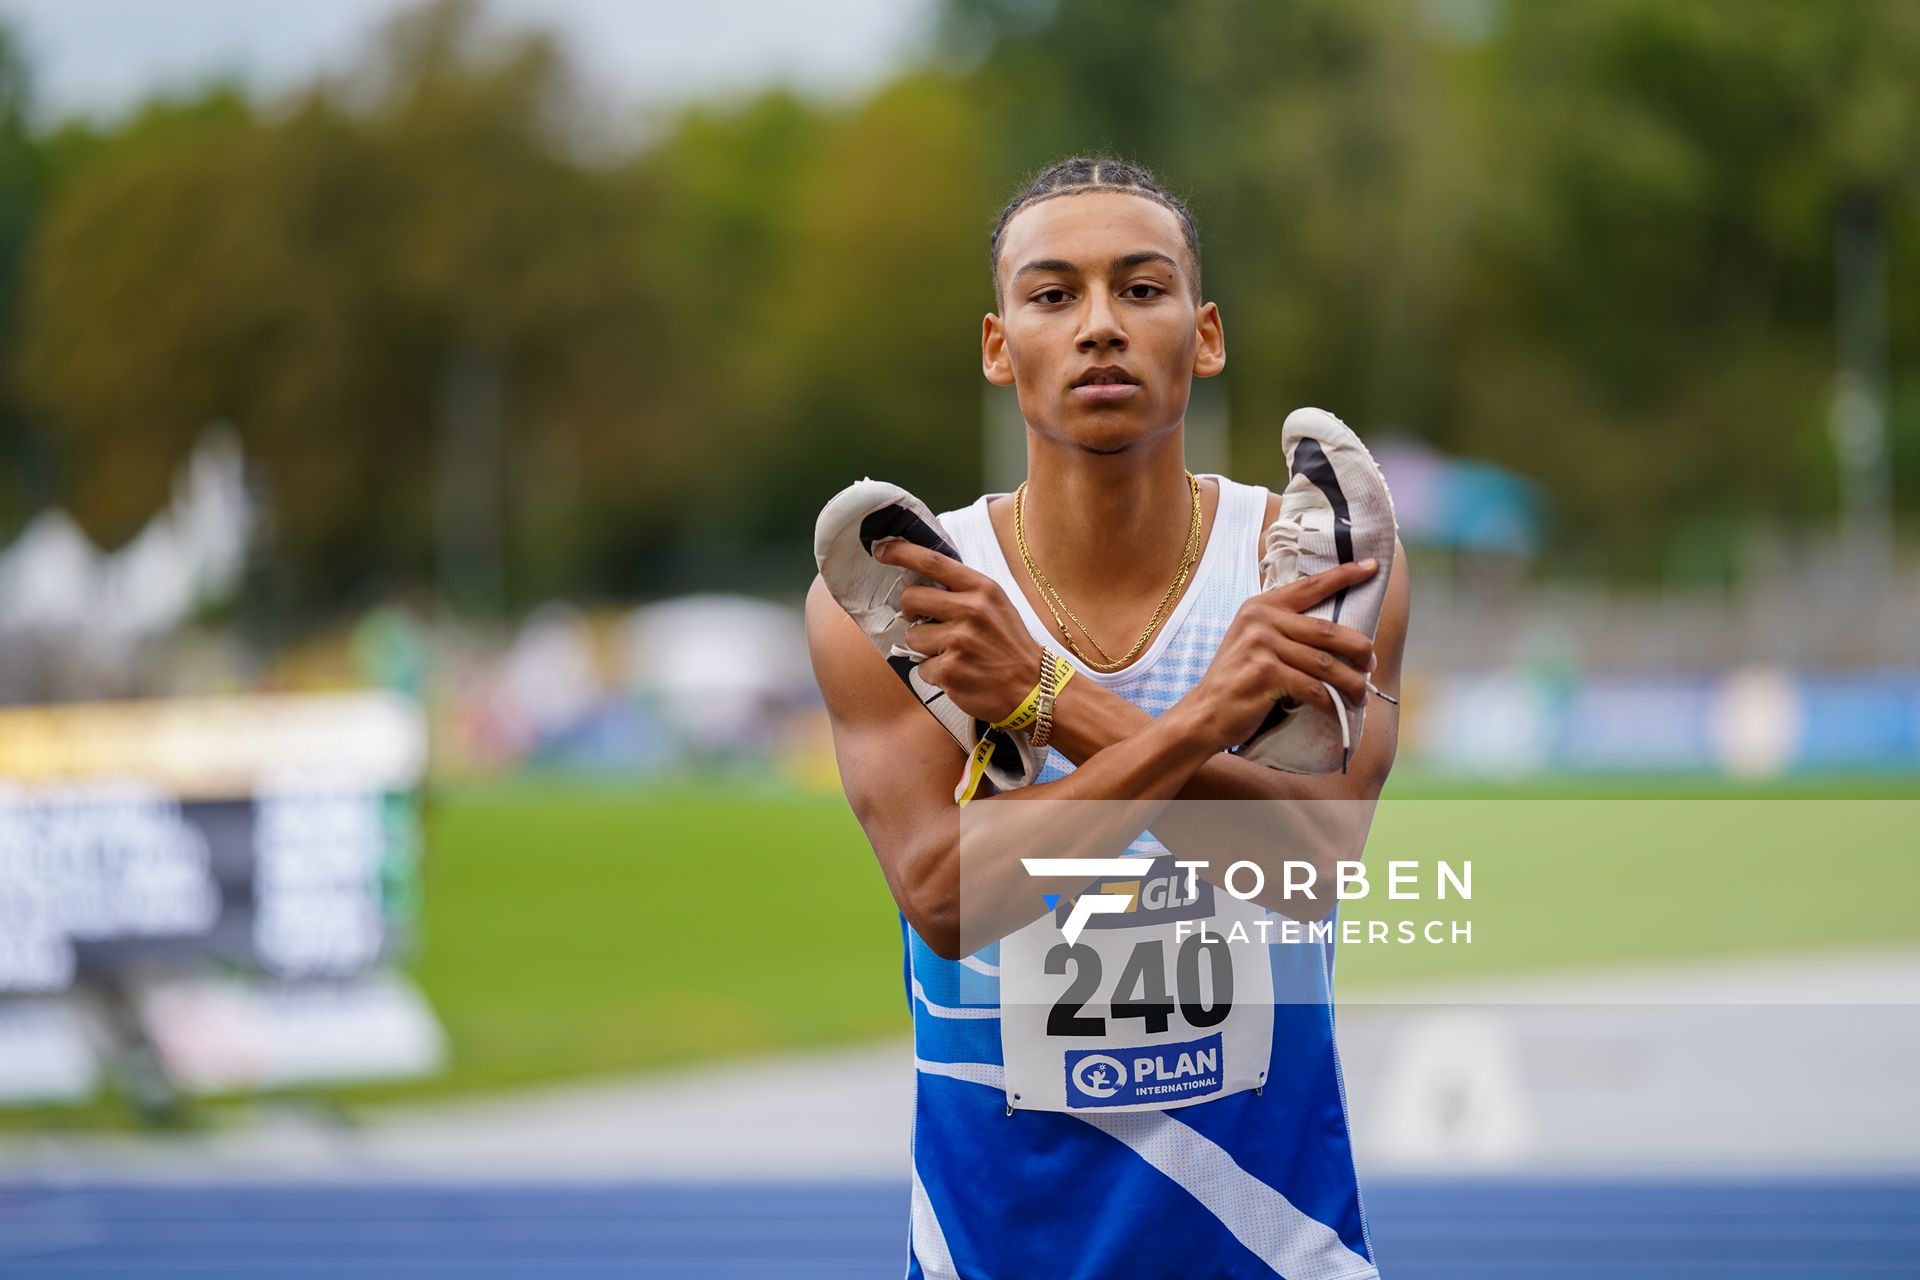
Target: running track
(1645, 1230)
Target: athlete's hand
(978, 650)
(1273, 651)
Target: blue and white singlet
(1256, 1182)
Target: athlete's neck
(1110, 528)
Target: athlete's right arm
(898, 768)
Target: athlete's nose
(1100, 325)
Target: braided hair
(1077, 175)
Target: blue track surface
(1645, 1230)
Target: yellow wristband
(1035, 707)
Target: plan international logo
(1154, 1073)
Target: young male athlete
(1103, 635)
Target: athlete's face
(1100, 330)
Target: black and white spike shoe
(1335, 510)
(861, 517)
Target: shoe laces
(1279, 565)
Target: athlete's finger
(929, 638)
(1319, 665)
(1304, 689)
(1330, 636)
(1310, 591)
(926, 562)
(918, 600)
(1293, 686)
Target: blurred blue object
(618, 736)
(1639, 723)
(1460, 504)
(1756, 722)
(1859, 720)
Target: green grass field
(572, 929)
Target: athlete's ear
(995, 361)
(1211, 356)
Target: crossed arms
(898, 766)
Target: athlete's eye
(1135, 291)
(1050, 297)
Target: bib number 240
(1141, 989)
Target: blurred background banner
(413, 415)
(212, 882)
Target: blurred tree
(310, 276)
(135, 327)
(716, 207)
(30, 478)
(1591, 240)
(1651, 330)
(874, 316)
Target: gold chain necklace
(1056, 606)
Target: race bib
(1149, 1007)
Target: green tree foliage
(28, 479)
(310, 275)
(1591, 240)
(1666, 269)
(875, 312)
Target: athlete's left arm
(1089, 717)
(1228, 777)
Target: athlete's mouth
(1105, 384)
(1106, 375)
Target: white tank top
(1228, 573)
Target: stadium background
(470, 385)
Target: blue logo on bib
(1147, 1074)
